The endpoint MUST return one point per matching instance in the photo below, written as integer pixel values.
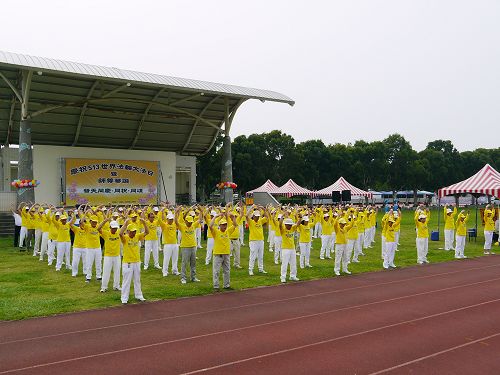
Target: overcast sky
(356, 69)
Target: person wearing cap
(242, 210)
(373, 223)
(449, 227)
(158, 216)
(360, 224)
(131, 263)
(170, 245)
(63, 242)
(23, 210)
(288, 255)
(351, 236)
(326, 234)
(461, 233)
(397, 227)
(341, 227)
(210, 238)
(272, 231)
(422, 218)
(489, 227)
(112, 259)
(151, 242)
(382, 233)
(318, 213)
(45, 225)
(256, 238)
(53, 233)
(30, 227)
(277, 236)
(390, 241)
(37, 223)
(234, 237)
(304, 228)
(79, 246)
(94, 252)
(221, 250)
(188, 243)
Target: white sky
(356, 69)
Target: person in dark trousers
(17, 227)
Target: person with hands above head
(422, 216)
(188, 242)
(390, 238)
(305, 227)
(341, 227)
(94, 251)
(449, 226)
(79, 245)
(63, 241)
(151, 241)
(461, 226)
(234, 236)
(288, 257)
(489, 227)
(221, 233)
(131, 263)
(169, 241)
(257, 216)
(112, 261)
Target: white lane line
(436, 354)
(271, 323)
(242, 306)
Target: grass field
(29, 288)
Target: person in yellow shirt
(390, 241)
(326, 234)
(272, 230)
(210, 238)
(421, 221)
(242, 210)
(37, 221)
(461, 233)
(151, 242)
(44, 219)
(79, 246)
(449, 227)
(170, 245)
(131, 264)
(94, 252)
(288, 257)
(30, 226)
(256, 237)
(352, 236)
(63, 242)
(221, 250)
(23, 210)
(188, 242)
(489, 227)
(305, 227)
(341, 227)
(112, 259)
(397, 228)
(53, 233)
(317, 219)
(234, 237)
(382, 233)
(274, 220)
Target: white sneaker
(196, 280)
(158, 267)
(309, 266)
(165, 274)
(294, 279)
(283, 281)
(142, 299)
(337, 273)
(347, 272)
(102, 290)
(250, 273)
(262, 271)
(183, 281)
(119, 289)
(145, 268)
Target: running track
(436, 319)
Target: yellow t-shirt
(221, 239)
(449, 220)
(152, 235)
(63, 232)
(255, 228)
(288, 235)
(188, 238)
(53, 232)
(80, 241)
(390, 233)
(235, 235)
(111, 243)
(327, 226)
(93, 237)
(340, 233)
(305, 232)
(462, 226)
(422, 229)
(489, 223)
(45, 223)
(168, 233)
(131, 250)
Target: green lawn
(29, 288)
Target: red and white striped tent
(290, 189)
(342, 184)
(267, 187)
(486, 181)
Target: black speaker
(335, 196)
(346, 195)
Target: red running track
(437, 319)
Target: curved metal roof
(89, 105)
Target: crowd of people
(108, 239)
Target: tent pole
(476, 214)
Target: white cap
(288, 221)
(305, 218)
(256, 213)
(326, 215)
(280, 216)
(114, 224)
(156, 209)
(47, 211)
(120, 208)
(58, 213)
(422, 216)
(213, 213)
(170, 216)
(192, 213)
(396, 214)
(449, 210)
(116, 214)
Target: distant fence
(8, 200)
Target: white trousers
(448, 239)
(198, 236)
(288, 257)
(459, 246)
(111, 264)
(305, 254)
(383, 247)
(357, 246)
(235, 246)
(63, 253)
(367, 238)
(349, 250)
(341, 257)
(373, 232)
(170, 252)
(270, 239)
(159, 235)
(44, 244)
(51, 246)
(396, 238)
(488, 239)
(78, 253)
(210, 248)
(422, 249)
(38, 239)
(242, 234)
(256, 253)
(151, 246)
(94, 255)
(131, 271)
(277, 248)
(22, 236)
(326, 245)
(317, 229)
(390, 250)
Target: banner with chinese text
(111, 182)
